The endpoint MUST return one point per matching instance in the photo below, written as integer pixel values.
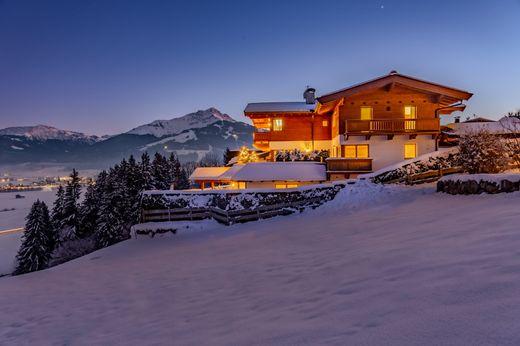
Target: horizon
(105, 68)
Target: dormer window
(277, 124)
(366, 113)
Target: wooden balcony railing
(340, 164)
(390, 126)
(261, 136)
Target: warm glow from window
(277, 124)
(362, 151)
(410, 150)
(325, 123)
(241, 184)
(285, 186)
(350, 151)
(356, 151)
(366, 113)
(410, 112)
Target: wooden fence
(228, 217)
(426, 177)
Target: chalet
(362, 128)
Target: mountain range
(190, 137)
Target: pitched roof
(207, 173)
(281, 107)
(452, 95)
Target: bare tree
(482, 152)
(511, 134)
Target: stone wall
(476, 186)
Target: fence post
(169, 213)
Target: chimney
(309, 95)
(457, 120)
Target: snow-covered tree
(89, 211)
(58, 208)
(482, 152)
(160, 172)
(38, 240)
(228, 155)
(145, 169)
(71, 215)
(110, 228)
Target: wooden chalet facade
(364, 127)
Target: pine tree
(228, 155)
(71, 217)
(160, 173)
(183, 182)
(145, 171)
(89, 211)
(58, 209)
(110, 227)
(38, 241)
(134, 184)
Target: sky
(107, 66)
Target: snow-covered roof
(503, 126)
(281, 171)
(263, 171)
(208, 173)
(279, 107)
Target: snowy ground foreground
(378, 265)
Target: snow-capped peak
(44, 132)
(198, 119)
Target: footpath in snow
(377, 265)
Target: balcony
(261, 136)
(344, 165)
(392, 126)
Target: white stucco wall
(272, 184)
(385, 152)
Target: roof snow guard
(280, 107)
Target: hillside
(390, 265)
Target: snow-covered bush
(298, 155)
(482, 152)
(72, 249)
(233, 200)
(444, 160)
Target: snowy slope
(378, 265)
(199, 119)
(43, 133)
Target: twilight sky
(106, 66)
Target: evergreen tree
(134, 184)
(110, 228)
(160, 172)
(183, 182)
(71, 217)
(38, 241)
(58, 209)
(89, 212)
(228, 155)
(146, 172)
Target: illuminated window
(241, 184)
(325, 123)
(410, 112)
(277, 124)
(285, 186)
(356, 151)
(410, 150)
(366, 113)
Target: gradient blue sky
(107, 66)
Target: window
(410, 150)
(325, 123)
(241, 184)
(366, 113)
(285, 186)
(410, 114)
(356, 151)
(277, 124)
